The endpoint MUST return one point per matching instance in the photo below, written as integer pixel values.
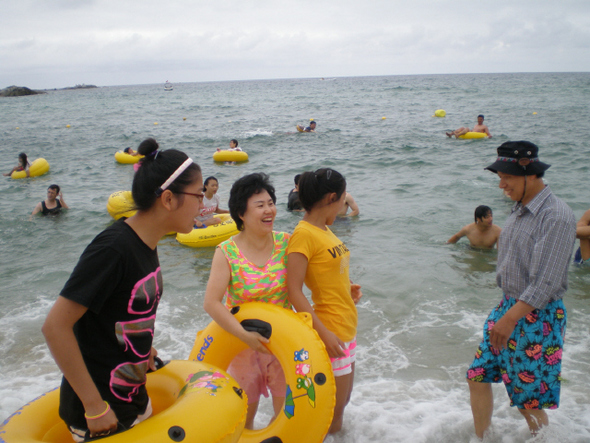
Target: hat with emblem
(518, 158)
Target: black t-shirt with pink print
(118, 279)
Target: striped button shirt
(535, 248)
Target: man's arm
(455, 238)
(487, 131)
(352, 204)
(550, 261)
(583, 226)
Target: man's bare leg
(535, 418)
(482, 405)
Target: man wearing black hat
(523, 335)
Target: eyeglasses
(199, 196)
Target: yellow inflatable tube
(127, 159)
(192, 402)
(230, 156)
(311, 390)
(121, 204)
(211, 235)
(470, 135)
(37, 168)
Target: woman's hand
(152, 359)
(334, 345)
(104, 425)
(355, 292)
(255, 341)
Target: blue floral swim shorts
(531, 365)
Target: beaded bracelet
(102, 414)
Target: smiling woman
(251, 266)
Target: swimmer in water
(311, 127)
(349, 203)
(23, 165)
(480, 127)
(52, 205)
(483, 233)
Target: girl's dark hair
(55, 188)
(207, 181)
(235, 142)
(126, 150)
(157, 167)
(22, 158)
(243, 189)
(313, 186)
(482, 211)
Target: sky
(48, 44)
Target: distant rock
(82, 86)
(17, 91)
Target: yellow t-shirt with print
(327, 277)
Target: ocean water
(424, 303)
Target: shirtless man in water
(349, 203)
(481, 234)
(480, 127)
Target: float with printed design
(311, 390)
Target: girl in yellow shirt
(320, 260)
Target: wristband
(102, 414)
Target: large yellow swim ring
(230, 156)
(121, 204)
(311, 390)
(127, 159)
(211, 235)
(440, 113)
(192, 402)
(37, 168)
(470, 135)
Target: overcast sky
(58, 43)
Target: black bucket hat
(518, 158)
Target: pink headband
(175, 175)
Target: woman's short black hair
(156, 167)
(313, 186)
(234, 141)
(55, 188)
(243, 189)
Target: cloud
(51, 43)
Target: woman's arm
(58, 330)
(219, 279)
(296, 269)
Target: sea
(424, 301)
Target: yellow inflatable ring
(127, 159)
(300, 128)
(311, 390)
(121, 204)
(440, 113)
(470, 135)
(230, 156)
(192, 402)
(211, 235)
(37, 168)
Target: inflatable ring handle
(256, 325)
